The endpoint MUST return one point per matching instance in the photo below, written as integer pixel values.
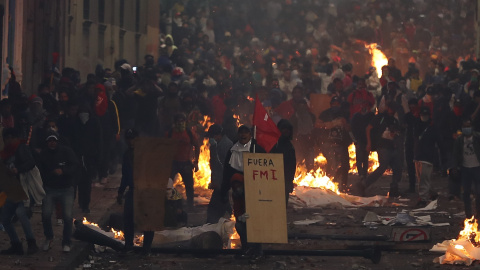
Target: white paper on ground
(431, 206)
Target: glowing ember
(378, 58)
(237, 117)
(470, 232)
(250, 98)
(118, 234)
(86, 222)
(138, 241)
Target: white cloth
(236, 160)
(32, 184)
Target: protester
(466, 153)
(58, 166)
(233, 178)
(19, 160)
(220, 145)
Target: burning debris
(463, 250)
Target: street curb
(81, 249)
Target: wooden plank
(265, 198)
(11, 185)
(152, 166)
(319, 103)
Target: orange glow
(201, 178)
(372, 160)
(250, 98)
(237, 117)
(378, 58)
(234, 236)
(118, 234)
(470, 231)
(315, 178)
(86, 222)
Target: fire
(234, 236)
(237, 117)
(378, 58)
(470, 232)
(372, 160)
(202, 176)
(86, 222)
(118, 234)
(251, 98)
(315, 178)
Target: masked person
(233, 178)
(426, 137)
(466, 155)
(186, 158)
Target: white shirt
(470, 159)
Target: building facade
(83, 33)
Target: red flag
(267, 133)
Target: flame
(470, 232)
(237, 117)
(378, 58)
(315, 178)
(372, 160)
(234, 236)
(118, 234)
(251, 98)
(138, 241)
(86, 222)
(201, 178)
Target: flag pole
(254, 137)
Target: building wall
(34, 29)
(94, 38)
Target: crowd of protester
(421, 114)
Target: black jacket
(284, 146)
(63, 158)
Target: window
(101, 41)
(86, 9)
(122, 12)
(137, 16)
(101, 11)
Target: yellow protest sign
(265, 198)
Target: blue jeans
(8, 211)
(65, 196)
(469, 176)
(386, 158)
